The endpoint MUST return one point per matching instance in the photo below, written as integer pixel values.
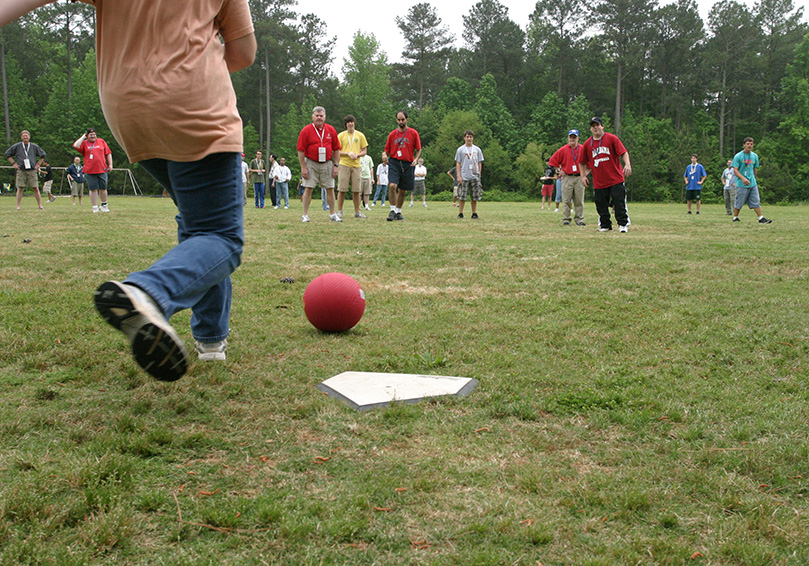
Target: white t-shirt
(420, 172)
(382, 174)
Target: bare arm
(78, 142)
(304, 170)
(240, 53)
(584, 171)
(627, 164)
(109, 161)
(10, 11)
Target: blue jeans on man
(195, 273)
(381, 190)
(258, 190)
(282, 193)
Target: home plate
(368, 390)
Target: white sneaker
(623, 229)
(95, 209)
(605, 229)
(335, 218)
(210, 351)
(373, 204)
(411, 205)
(156, 346)
(339, 214)
(105, 208)
(557, 210)
(275, 207)
(305, 218)
(367, 207)
(360, 215)
(425, 204)
(286, 208)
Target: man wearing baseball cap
(602, 154)
(566, 162)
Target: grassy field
(643, 397)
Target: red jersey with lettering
(95, 156)
(403, 145)
(603, 158)
(567, 157)
(310, 139)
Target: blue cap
(573, 133)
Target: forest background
(669, 83)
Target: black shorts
(401, 173)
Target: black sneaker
(392, 216)
(580, 224)
(156, 346)
(698, 212)
(474, 216)
(399, 216)
(460, 215)
(763, 220)
(736, 219)
(689, 212)
(565, 222)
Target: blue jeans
(325, 204)
(383, 190)
(195, 273)
(282, 192)
(258, 190)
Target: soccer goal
(119, 182)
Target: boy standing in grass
(693, 177)
(188, 138)
(468, 170)
(745, 164)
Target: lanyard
(321, 133)
(401, 141)
(573, 151)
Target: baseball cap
(596, 120)
(573, 133)
(90, 130)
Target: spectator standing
(453, 173)
(694, 176)
(420, 186)
(381, 180)
(258, 175)
(245, 177)
(469, 166)
(319, 157)
(565, 161)
(282, 177)
(745, 164)
(353, 146)
(548, 183)
(76, 177)
(729, 187)
(97, 164)
(367, 179)
(602, 153)
(47, 181)
(271, 180)
(26, 157)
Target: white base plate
(367, 390)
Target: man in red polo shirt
(602, 153)
(565, 160)
(319, 156)
(97, 163)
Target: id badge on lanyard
(321, 154)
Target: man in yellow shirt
(352, 147)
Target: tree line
(669, 83)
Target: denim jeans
(383, 190)
(258, 192)
(195, 273)
(282, 192)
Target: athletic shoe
(605, 229)
(339, 214)
(399, 216)
(583, 224)
(689, 212)
(95, 209)
(359, 215)
(105, 208)
(475, 216)
(53, 198)
(367, 207)
(335, 218)
(566, 223)
(286, 208)
(210, 351)
(392, 216)
(305, 218)
(623, 229)
(156, 346)
(460, 215)
(736, 219)
(425, 204)
(763, 220)
(373, 204)
(557, 210)
(698, 212)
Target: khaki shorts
(319, 174)
(367, 186)
(46, 186)
(419, 187)
(349, 174)
(76, 189)
(27, 179)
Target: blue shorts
(96, 182)
(747, 195)
(401, 173)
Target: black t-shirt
(549, 172)
(48, 174)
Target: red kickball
(334, 302)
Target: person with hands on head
(97, 164)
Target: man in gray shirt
(26, 157)
(469, 168)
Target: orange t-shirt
(162, 77)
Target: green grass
(642, 398)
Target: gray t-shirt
(469, 157)
(20, 152)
